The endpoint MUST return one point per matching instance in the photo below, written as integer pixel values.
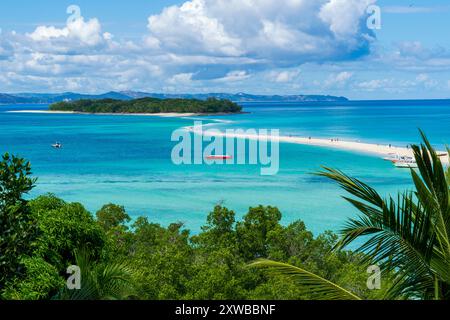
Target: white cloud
(293, 32)
(200, 31)
(422, 77)
(425, 80)
(181, 78)
(283, 76)
(399, 85)
(338, 80)
(233, 76)
(84, 32)
(343, 76)
(345, 16)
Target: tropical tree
(408, 237)
(64, 227)
(17, 229)
(113, 217)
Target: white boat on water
(57, 145)
(405, 162)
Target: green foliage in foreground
(17, 229)
(149, 105)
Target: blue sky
(255, 46)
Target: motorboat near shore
(219, 157)
(401, 161)
(406, 162)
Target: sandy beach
(380, 150)
(164, 115)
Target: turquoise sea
(127, 159)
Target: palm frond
(432, 190)
(400, 231)
(100, 281)
(447, 173)
(314, 285)
(408, 236)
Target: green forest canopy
(148, 105)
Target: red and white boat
(219, 157)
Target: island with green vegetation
(149, 105)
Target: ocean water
(127, 159)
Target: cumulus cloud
(192, 23)
(338, 80)
(6, 49)
(426, 81)
(233, 76)
(181, 78)
(391, 85)
(283, 76)
(414, 56)
(77, 31)
(421, 81)
(294, 32)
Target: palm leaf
(399, 232)
(312, 284)
(100, 281)
(408, 236)
(447, 173)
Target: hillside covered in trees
(149, 105)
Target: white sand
(354, 146)
(40, 111)
(165, 115)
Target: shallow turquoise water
(126, 160)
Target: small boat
(219, 157)
(402, 164)
(405, 162)
(57, 145)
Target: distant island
(148, 106)
(48, 98)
